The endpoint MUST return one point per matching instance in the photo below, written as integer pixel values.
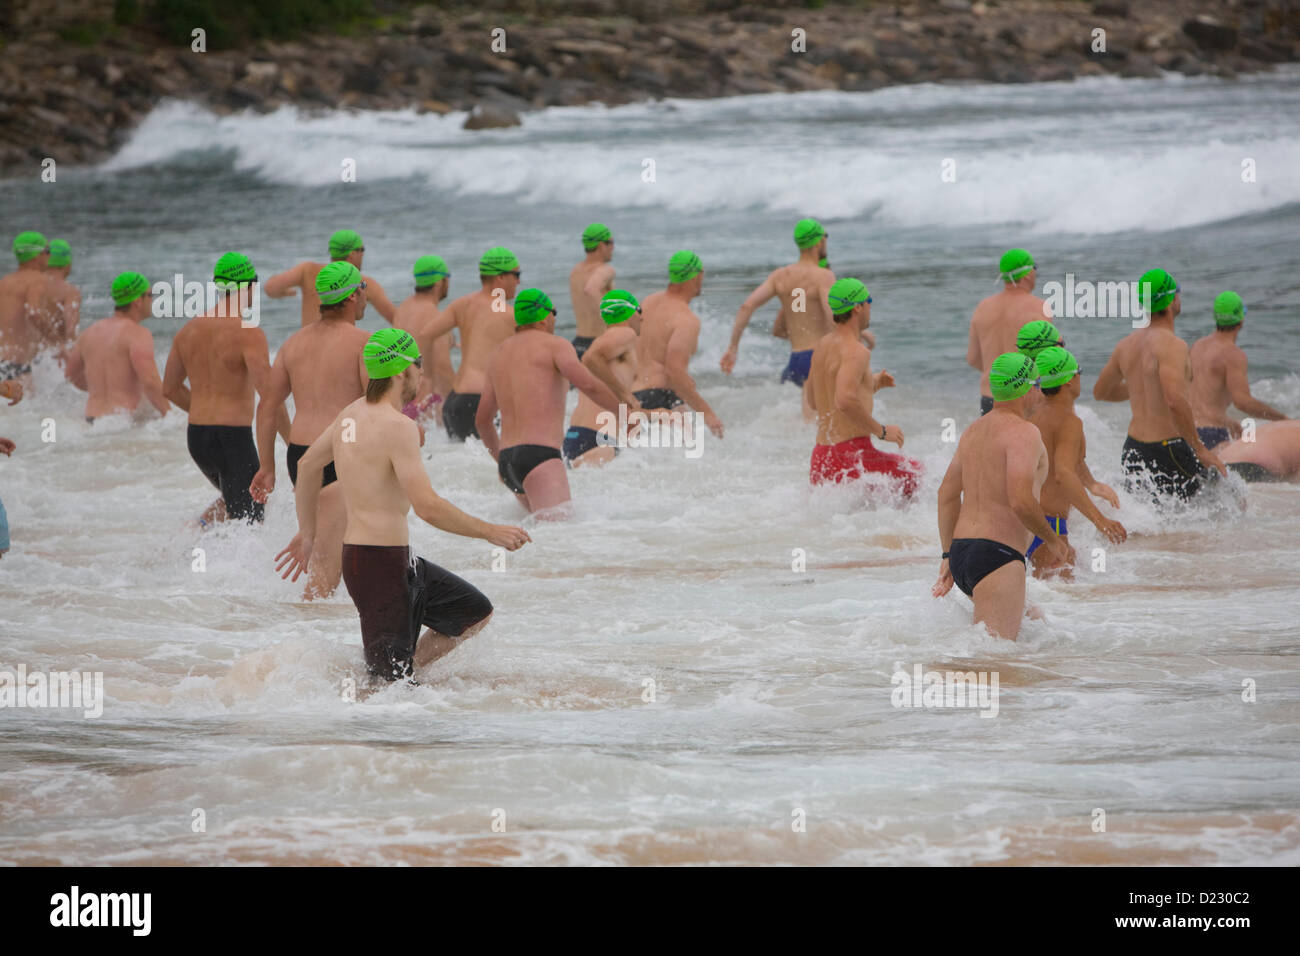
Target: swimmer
(526, 378)
(22, 292)
(376, 451)
(1068, 479)
(589, 281)
(61, 302)
(988, 503)
(415, 315)
(999, 318)
(1150, 370)
(345, 246)
(1272, 455)
(1219, 376)
(842, 390)
(612, 359)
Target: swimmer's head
(683, 266)
(60, 254)
(618, 305)
(594, 235)
(808, 233)
(127, 288)
(29, 245)
(390, 352)
(233, 271)
(1056, 367)
(1229, 310)
(337, 282)
(845, 296)
(532, 306)
(344, 244)
(1012, 375)
(1157, 290)
(1015, 264)
(497, 262)
(430, 270)
(1037, 335)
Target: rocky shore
(77, 103)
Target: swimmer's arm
(75, 368)
(1239, 388)
(1110, 385)
(1068, 465)
(428, 505)
(599, 363)
(269, 405)
(257, 359)
(376, 296)
(146, 369)
(1172, 374)
(599, 282)
(440, 324)
(747, 309)
(780, 329)
(485, 417)
(1022, 465)
(950, 501)
(677, 358)
(311, 469)
(973, 356)
(71, 317)
(174, 388)
(285, 284)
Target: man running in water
(988, 503)
(842, 388)
(21, 319)
(61, 303)
(227, 365)
(321, 365)
(485, 321)
(14, 393)
(998, 319)
(1272, 455)
(415, 315)
(1150, 369)
(113, 360)
(589, 281)
(526, 379)
(1068, 479)
(345, 246)
(612, 359)
(805, 316)
(376, 451)
(1219, 376)
(670, 334)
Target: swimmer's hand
(262, 485)
(12, 390)
(1105, 493)
(7, 445)
(893, 433)
(1211, 460)
(1057, 552)
(882, 379)
(293, 559)
(421, 427)
(714, 423)
(506, 536)
(728, 362)
(944, 584)
(1113, 530)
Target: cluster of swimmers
(361, 404)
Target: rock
(591, 48)
(1211, 34)
(362, 79)
(434, 106)
(957, 6)
(490, 117)
(1140, 65)
(1110, 8)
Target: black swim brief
(227, 457)
(1170, 465)
(653, 398)
(579, 440)
(458, 413)
(296, 452)
(971, 560)
(986, 404)
(1252, 472)
(581, 343)
(395, 595)
(515, 463)
(1211, 435)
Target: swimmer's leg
(547, 488)
(327, 553)
(215, 512)
(433, 645)
(1000, 600)
(598, 456)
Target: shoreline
(78, 104)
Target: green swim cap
(60, 253)
(1229, 310)
(1056, 366)
(595, 234)
(532, 305)
(128, 287)
(29, 245)
(1014, 264)
(1012, 375)
(428, 270)
(388, 352)
(1156, 290)
(684, 266)
(618, 305)
(343, 242)
(808, 232)
(336, 282)
(1037, 335)
(497, 261)
(234, 270)
(847, 294)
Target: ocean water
(697, 669)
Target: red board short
(856, 457)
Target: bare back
(1056, 422)
(990, 451)
(995, 324)
(61, 306)
(414, 315)
(21, 295)
(1209, 393)
(664, 316)
(111, 377)
(618, 348)
(838, 355)
(324, 365)
(530, 390)
(482, 329)
(586, 308)
(212, 349)
(377, 505)
(812, 319)
(1143, 358)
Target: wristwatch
(883, 429)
